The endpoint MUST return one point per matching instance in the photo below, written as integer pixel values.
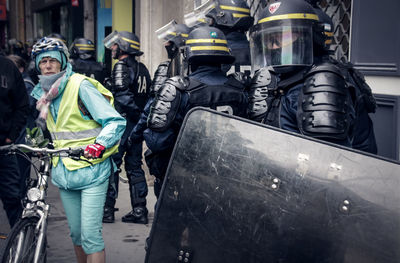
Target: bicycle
(27, 239)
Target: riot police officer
(207, 86)
(174, 36)
(233, 18)
(59, 37)
(300, 91)
(83, 59)
(129, 84)
(363, 136)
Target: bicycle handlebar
(76, 152)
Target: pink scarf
(44, 102)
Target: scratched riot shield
(237, 191)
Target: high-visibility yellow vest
(71, 129)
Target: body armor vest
(229, 98)
(134, 74)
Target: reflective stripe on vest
(75, 135)
(71, 129)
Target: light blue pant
(84, 210)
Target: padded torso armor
(324, 104)
(228, 98)
(135, 76)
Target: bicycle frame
(38, 208)
(35, 199)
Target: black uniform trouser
(158, 164)
(136, 178)
(10, 187)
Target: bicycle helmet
(50, 44)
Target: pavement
(124, 242)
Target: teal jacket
(113, 127)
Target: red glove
(94, 151)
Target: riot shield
(237, 191)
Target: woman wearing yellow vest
(78, 112)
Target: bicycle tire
(23, 235)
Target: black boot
(138, 215)
(108, 216)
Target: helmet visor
(110, 40)
(203, 6)
(194, 19)
(167, 32)
(284, 45)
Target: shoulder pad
(166, 104)
(121, 76)
(179, 82)
(160, 76)
(325, 107)
(264, 82)
(120, 65)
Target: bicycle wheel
(22, 242)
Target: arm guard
(160, 76)
(263, 84)
(124, 97)
(324, 108)
(121, 76)
(166, 104)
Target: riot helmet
(208, 45)
(127, 42)
(227, 15)
(50, 44)
(323, 39)
(16, 46)
(283, 36)
(59, 37)
(82, 48)
(174, 35)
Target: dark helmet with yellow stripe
(83, 48)
(325, 39)
(233, 15)
(208, 45)
(284, 36)
(59, 37)
(127, 42)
